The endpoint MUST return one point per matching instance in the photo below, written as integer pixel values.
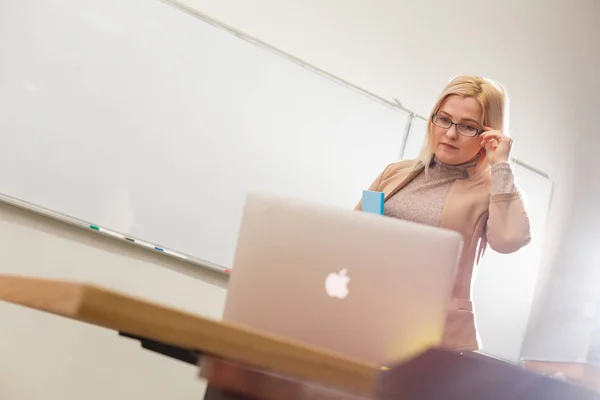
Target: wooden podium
(241, 363)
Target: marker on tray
(140, 242)
(106, 231)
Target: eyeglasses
(464, 128)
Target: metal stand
(186, 355)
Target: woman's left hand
(497, 146)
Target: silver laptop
(368, 286)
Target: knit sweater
(422, 200)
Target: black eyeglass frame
(479, 132)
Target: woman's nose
(451, 132)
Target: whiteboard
(415, 139)
(505, 283)
(145, 120)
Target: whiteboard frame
(395, 105)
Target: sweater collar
(462, 168)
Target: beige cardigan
(498, 220)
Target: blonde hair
(493, 100)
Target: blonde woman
(462, 180)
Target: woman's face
(449, 146)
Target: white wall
(46, 357)
(568, 296)
(408, 50)
(568, 301)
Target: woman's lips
(449, 146)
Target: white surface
(46, 357)
(145, 120)
(505, 283)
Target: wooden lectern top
(259, 365)
(112, 310)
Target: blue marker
(372, 202)
(138, 242)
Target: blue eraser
(372, 202)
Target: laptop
(367, 286)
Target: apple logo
(336, 284)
